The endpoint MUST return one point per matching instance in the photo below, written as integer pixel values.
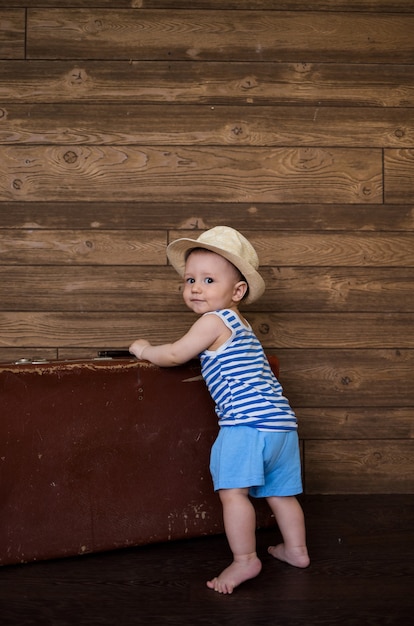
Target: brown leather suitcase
(103, 454)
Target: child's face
(211, 282)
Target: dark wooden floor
(362, 572)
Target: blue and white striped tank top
(241, 382)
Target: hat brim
(177, 253)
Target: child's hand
(138, 346)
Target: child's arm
(206, 331)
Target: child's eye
(208, 280)
(190, 281)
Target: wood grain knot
(264, 329)
(70, 156)
(249, 83)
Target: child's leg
(291, 522)
(240, 525)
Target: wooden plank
(140, 247)
(56, 173)
(359, 467)
(148, 248)
(376, 6)
(345, 378)
(353, 249)
(213, 83)
(127, 124)
(11, 354)
(328, 249)
(91, 288)
(210, 34)
(12, 33)
(197, 216)
(334, 330)
(85, 247)
(399, 175)
(86, 329)
(290, 5)
(99, 4)
(355, 422)
(338, 289)
(116, 288)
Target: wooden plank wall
(125, 124)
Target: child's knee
(227, 495)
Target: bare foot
(298, 557)
(235, 574)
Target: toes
(211, 584)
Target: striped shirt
(241, 382)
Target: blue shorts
(268, 463)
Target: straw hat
(228, 243)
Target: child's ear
(240, 290)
